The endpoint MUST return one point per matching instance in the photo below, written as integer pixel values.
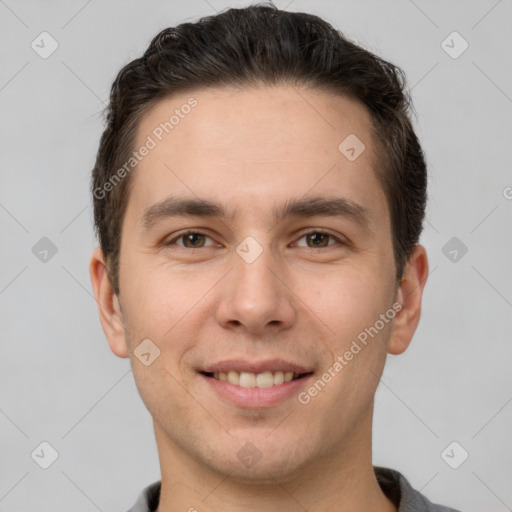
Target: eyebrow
(310, 207)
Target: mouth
(255, 384)
(262, 380)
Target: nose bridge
(253, 295)
(253, 278)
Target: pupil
(192, 238)
(318, 238)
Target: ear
(409, 295)
(109, 308)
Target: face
(255, 251)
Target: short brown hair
(255, 45)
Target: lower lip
(256, 397)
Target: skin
(252, 150)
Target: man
(259, 194)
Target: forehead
(303, 119)
(256, 145)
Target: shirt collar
(393, 484)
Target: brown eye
(318, 239)
(191, 240)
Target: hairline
(377, 148)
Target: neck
(343, 481)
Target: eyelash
(195, 232)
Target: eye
(191, 240)
(198, 240)
(318, 239)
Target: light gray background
(59, 381)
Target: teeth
(278, 378)
(234, 378)
(264, 380)
(252, 380)
(247, 380)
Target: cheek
(159, 386)
(350, 305)
(347, 302)
(162, 311)
(166, 308)
(153, 300)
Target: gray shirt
(393, 484)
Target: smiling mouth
(265, 379)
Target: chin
(261, 460)
(263, 472)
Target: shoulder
(148, 499)
(399, 490)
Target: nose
(255, 297)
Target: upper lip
(241, 365)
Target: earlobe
(109, 308)
(409, 295)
